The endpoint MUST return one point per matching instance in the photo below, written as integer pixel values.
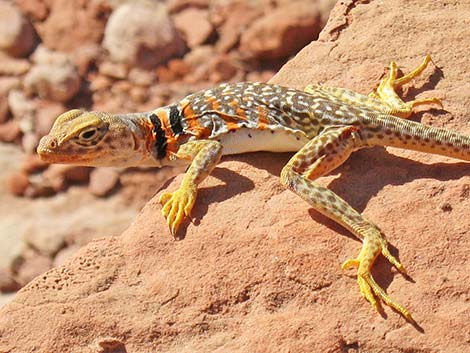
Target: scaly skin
(323, 125)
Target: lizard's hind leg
(321, 155)
(386, 90)
(384, 99)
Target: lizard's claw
(369, 287)
(176, 205)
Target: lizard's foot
(177, 205)
(367, 284)
(386, 91)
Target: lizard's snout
(46, 147)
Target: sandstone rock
(7, 282)
(65, 254)
(114, 70)
(148, 38)
(6, 298)
(29, 141)
(103, 181)
(17, 183)
(100, 82)
(37, 10)
(249, 276)
(55, 81)
(44, 241)
(232, 19)
(282, 32)
(6, 85)
(32, 265)
(179, 5)
(141, 77)
(60, 176)
(10, 131)
(176, 69)
(33, 164)
(85, 56)
(47, 113)
(72, 22)
(13, 66)
(17, 35)
(194, 25)
(21, 107)
(12, 245)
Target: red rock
(179, 5)
(59, 176)
(17, 35)
(32, 266)
(176, 70)
(54, 82)
(114, 70)
(7, 282)
(65, 254)
(103, 181)
(6, 85)
(33, 164)
(72, 22)
(148, 38)
(21, 107)
(47, 113)
(85, 56)
(222, 69)
(10, 131)
(249, 276)
(232, 19)
(282, 32)
(29, 142)
(17, 183)
(37, 10)
(13, 66)
(141, 77)
(100, 82)
(194, 25)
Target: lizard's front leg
(321, 155)
(204, 156)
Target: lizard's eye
(91, 135)
(88, 135)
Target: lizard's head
(91, 139)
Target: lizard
(322, 125)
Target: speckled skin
(323, 125)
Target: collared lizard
(322, 125)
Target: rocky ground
(57, 55)
(248, 276)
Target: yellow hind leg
(386, 90)
(384, 99)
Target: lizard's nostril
(53, 144)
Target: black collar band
(160, 138)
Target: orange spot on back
(214, 103)
(262, 117)
(192, 120)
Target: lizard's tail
(396, 132)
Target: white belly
(247, 140)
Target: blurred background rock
(116, 56)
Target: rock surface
(249, 276)
(148, 38)
(17, 35)
(53, 77)
(285, 30)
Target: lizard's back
(248, 117)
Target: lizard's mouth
(50, 152)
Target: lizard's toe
(177, 205)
